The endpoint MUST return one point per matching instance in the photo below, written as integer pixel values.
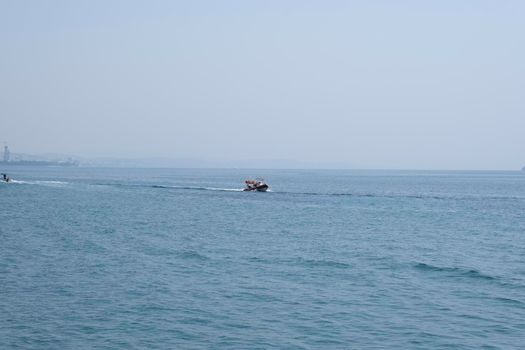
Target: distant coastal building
(7, 154)
(19, 160)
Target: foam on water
(199, 188)
(40, 182)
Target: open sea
(183, 259)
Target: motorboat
(256, 185)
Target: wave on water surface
(454, 271)
(302, 262)
(323, 257)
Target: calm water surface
(181, 259)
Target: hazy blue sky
(388, 84)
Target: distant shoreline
(50, 164)
(40, 163)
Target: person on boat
(5, 178)
(250, 185)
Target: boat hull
(261, 188)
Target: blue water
(180, 259)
